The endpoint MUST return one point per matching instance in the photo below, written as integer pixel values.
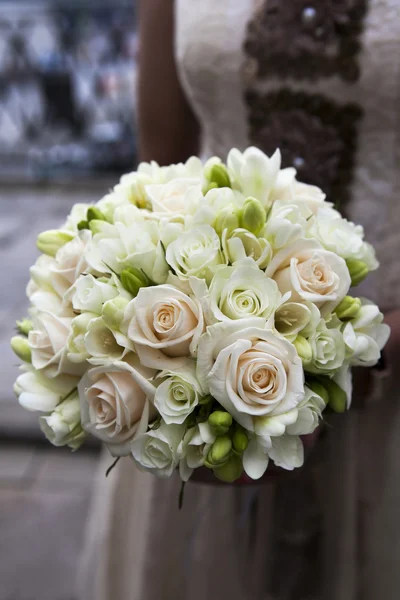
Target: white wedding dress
(322, 81)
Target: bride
(321, 81)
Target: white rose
(174, 197)
(243, 291)
(342, 237)
(309, 197)
(328, 349)
(90, 294)
(195, 253)
(119, 247)
(165, 324)
(178, 394)
(36, 392)
(254, 172)
(366, 335)
(311, 273)
(158, 451)
(48, 342)
(242, 243)
(63, 426)
(115, 403)
(195, 446)
(250, 371)
(40, 289)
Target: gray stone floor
(44, 492)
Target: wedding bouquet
(198, 315)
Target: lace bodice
(319, 80)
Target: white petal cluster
(198, 315)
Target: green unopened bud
(220, 176)
(303, 348)
(24, 326)
(337, 396)
(253, 216)
(82, 225)
(209, 186)
(358, 270)
(113, 312)
(229, 471)
(21, 348)
(348, 308)
(94, 213)
(219, 451)
(49, 242)
(240, 441)
(96, 226)
(227, 218)
(319, 389)
(133, 279)
(220, 422)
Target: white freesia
(138, 245)
(366, 335)
(40, 291)
(250, 371)
(309, 198)
(178, 394)
(76, 349)
(293, 317)
(48, 342)
(90, 294)
(285, 225)
(254, 172)
(165, 325)
(311, 273)
(241, 244)
(194, 449)
(69, 263)
(243, 291)
(77, 214)
(286, 451)
(101, 344)
(328, 349)
(195, 253)
(36, 392)
(63, 426)
(116, 403)
(342, 237)
(174, 197)
(310, 411)
(157, 451)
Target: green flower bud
(230, 471)
(82, 225)
(358, 270)
(113, 312)
(94, 213)
(220, 176)
(49, 242)
(209, 186)
(337, 396)
(220, 422)
(21, 348)
(227, 218)
(24, 326)
(95, 226)
(253, 216)
(348, 308)
(318, 389)
(133, 279)
(303, 348)
(240, 441)
(219, 451)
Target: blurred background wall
(67, 130)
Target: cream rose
(48, 342)
(115, 403)
(175, 197)
(310, 273)
(69, 263)
(250, 371)
(165, 325)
